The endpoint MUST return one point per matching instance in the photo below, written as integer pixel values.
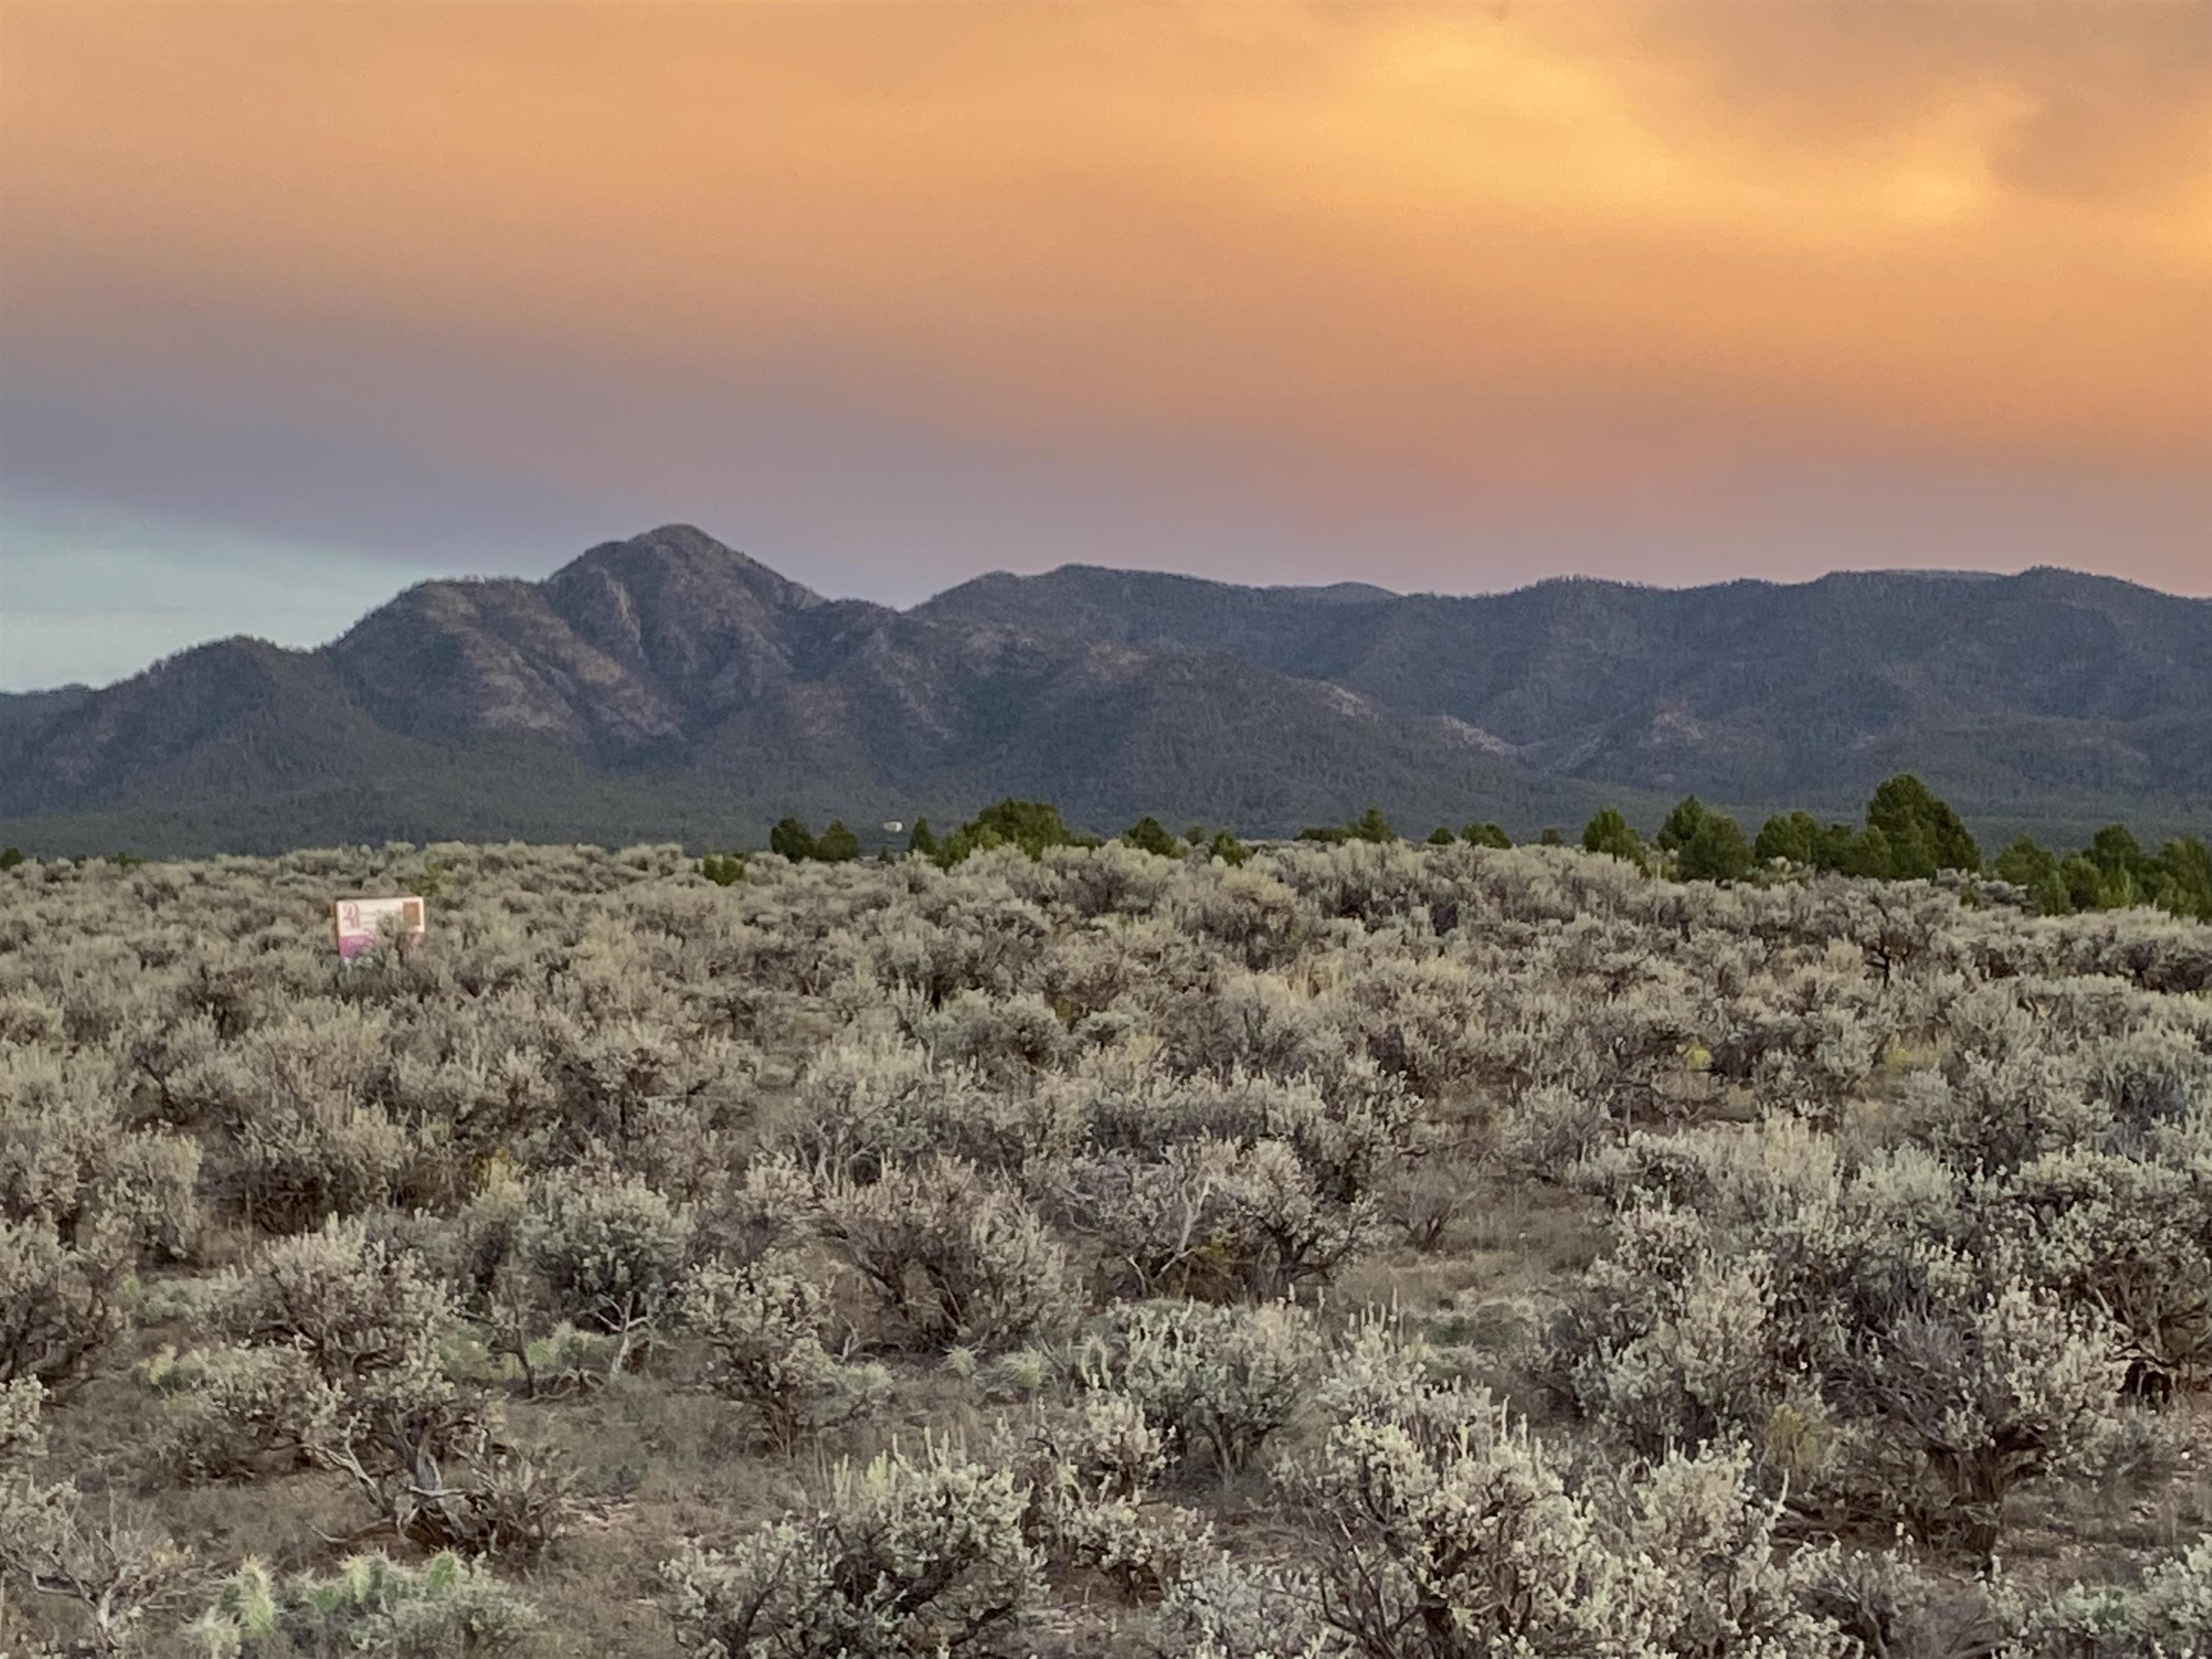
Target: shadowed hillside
(668, 685)
(2013, 689)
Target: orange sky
(1440, 296)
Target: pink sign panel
(360, 922)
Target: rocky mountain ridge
(669, 685)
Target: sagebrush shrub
(1090, 1470)
(444, 1609)
(1670, 1342)
(108, 1561)
(953, 1257)
(904, 1558)
(612, 1251)
(2131, 1235)
(111, 1191)
(1214, 1219)
(1970, 1404)
(59, 1306)
(22, 1404)
(2167, 1616)
(421, 1448)
(1236, 1610)
(297, 1131)
(1443, 1530)
(1885, 1194)
(763, 1322)
(237, 1411)
(355, 1307)
(1216, 1382)
(1719, 1588)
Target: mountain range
(668, 687)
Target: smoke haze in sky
(298, 304)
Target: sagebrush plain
(1374, 1250)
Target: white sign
(359, 923)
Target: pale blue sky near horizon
(90, 594)
(89, 606)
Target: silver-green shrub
(1444, 1530)
(2167, 1616)
(612, 1251)
(904, 1558)
(1214, 1382)
(762, 1322)
(444, 1609)
(953, 1257)
(1969, 1404)
(1091, 1469)
(423, 1450)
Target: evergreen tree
(2112, 873)
(2050, 894)
(838, 844)
(1682, 824)
(1608, 832)
(1795, 838)
(1716, 851)
(1031, 825)
(2114, 850)
(1371, 825)
(1148, 835)
(1441, 836)
(1838, 847)
(2026, 864)
(1706, 845)
(2084, 882)
(1923, 834)
(1866, 853)
(919, 839)
(2187, 890)
(1485, 835)
(792, 839)
(2167, 895)
(1225, 847)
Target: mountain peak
(674, 598)
(683, 556)
(686, 541)
(676, 675)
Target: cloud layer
(1446, 297)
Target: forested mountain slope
(2039, 685)
(668, 685)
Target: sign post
(358, 924)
